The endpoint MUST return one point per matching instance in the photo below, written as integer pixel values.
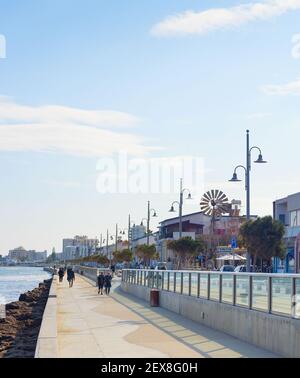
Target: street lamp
(180, 204)
(150, 212)
(247, 170)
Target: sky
(87, 84)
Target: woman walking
(100, 280)
(107, 283)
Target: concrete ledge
(277, 334)
(47, 346)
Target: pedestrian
(61, 274)
(100, 280)
(113, 269)
(107, 283)
(70, 277)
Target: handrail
(277, 294)
(278, 275)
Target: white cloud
(296, 46)
(66, 130)
(202, 22)
(292, 88)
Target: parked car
(161, 266)
(243, 269)
(227, 268)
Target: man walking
(61, 274)
(100, 280)
(70, 277)
(107, 283)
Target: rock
(19, 330)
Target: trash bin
(154, 298)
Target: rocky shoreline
(20, 329)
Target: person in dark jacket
(107, 283)
(61, 274)
(70, 276)
(100, 280)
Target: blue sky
(159, 85)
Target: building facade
(287, 211)
(20, 254)
(79, 246)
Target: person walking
(70, 277)
(107, 283)
(100, 280)
(61, 274)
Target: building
(287, 211)
(79, 246)
(197, 225)
(137, 232)
(20, 254)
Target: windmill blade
(222, 197)
(213, 194)
(217, 193)
(209, 195)
(204, 202)
(222, 201)
(220, 194)
(205, 196)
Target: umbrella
(232, 258)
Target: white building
(79, 246)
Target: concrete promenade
(90, 325)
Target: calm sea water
(17, 280)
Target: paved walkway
(90, 325)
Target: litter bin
(154, 298)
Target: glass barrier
(245, 288)
(194, 284)
(203, 285)
(242, 290)
(215, 287)
(282, 295)
(227, 288)
(186, 282)
(260, 293)
(297, 299)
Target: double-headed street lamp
(247, 170)
(149, 213)
(180, 204)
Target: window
(282, 218)
(295, 218)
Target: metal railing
(277, 294)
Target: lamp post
(247, 170)
(180, 204)
(110, 237)
(154, 214)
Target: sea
(17, 280)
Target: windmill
(214, 203)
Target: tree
(147, 253)
(186, 249)
(263, 238)
(125, 255)
(52, 257)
